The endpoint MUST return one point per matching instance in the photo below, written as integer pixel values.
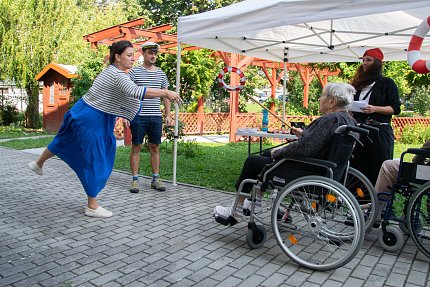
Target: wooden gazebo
(168, 44)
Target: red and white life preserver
(414, 55)
(229, 70)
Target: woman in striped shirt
(86, 141)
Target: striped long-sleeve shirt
(114, 93)
(151, 79)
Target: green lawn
(12, 132)
(216, 165)
(253, 108)
(21, 144)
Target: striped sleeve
(129, 87)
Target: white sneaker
(247, 204)
(247, 207)
(99, 212)
(223, 211)
(34, 167)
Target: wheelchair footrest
(226, 221)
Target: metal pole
(284, 84)
(175, 141)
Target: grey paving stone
(375, 281)
(331, 283)
(395, 279)
(354, 282)
(229, 282)
(361, 272)
(417, 278)
(144, 244)
(340, 274)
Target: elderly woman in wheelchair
(312, 142)
(316, 221)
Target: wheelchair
(315, 219)
(413, 184)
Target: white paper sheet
(423, 172)
(357, 106)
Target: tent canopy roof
(308, 30)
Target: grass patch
(21, 144)
(218, 166)
(399, 148)
(213, 165)
(17, 132)
(253, 108)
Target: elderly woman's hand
(296, 131)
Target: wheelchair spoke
(315, 235)
(418, 219)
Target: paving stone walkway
(154, 239)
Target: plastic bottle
(265, 121)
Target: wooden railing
(216, 123)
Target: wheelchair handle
(361, 131)
(367, 127)
(347, 128)
(419, 151)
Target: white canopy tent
(300, 31)
(308, 30)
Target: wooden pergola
(168, 44)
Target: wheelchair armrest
(328, 165)
(319, 162)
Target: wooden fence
(217, 123)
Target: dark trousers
(369, 158)
(252, 167)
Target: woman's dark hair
(118, 48)
(362, 78)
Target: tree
(420, 99)
(161, 12)
(35, 32)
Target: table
(262, 135)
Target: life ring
(222, 83)
(414, 55)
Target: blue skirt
(86, 142)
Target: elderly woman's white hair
(342, 92)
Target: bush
(420, 100)
(9, 115)
(188, 149)
(415, 134)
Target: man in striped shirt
(149, 121)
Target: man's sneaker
(134, 186)
(34, 167)
(156, 184)
(100, 212)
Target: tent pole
(178, 83)
(284, 85)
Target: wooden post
(201, 115)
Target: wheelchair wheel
(322, 227)
(418, 219)
(363, 190)
(392, 239)
(256, 236)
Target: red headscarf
(375, 53)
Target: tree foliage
(160, 12)
(36, 32)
